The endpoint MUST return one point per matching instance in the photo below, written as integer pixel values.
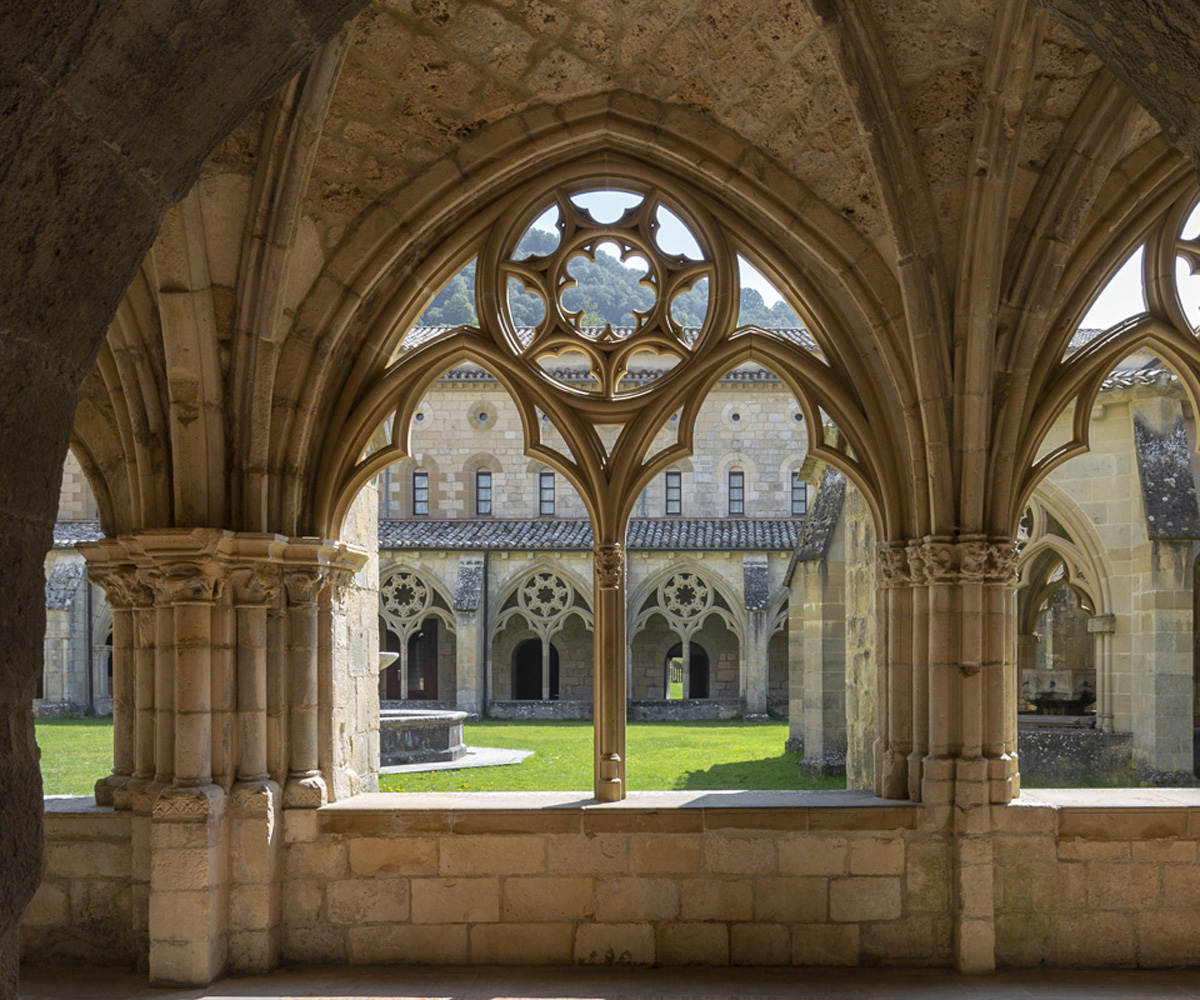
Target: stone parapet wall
(488, 882)
(83, 911)
(1101, 877)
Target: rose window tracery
(545, 596)
(685, 595)
(404, 596)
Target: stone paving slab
(575, 983)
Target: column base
(107, 787)
(305, 792)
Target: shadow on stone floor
(484, 983)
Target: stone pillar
(948, 736)
(756, 596)
(305, 787)
(255, 803)
(187, 842)
(1163, 667)
(820, 585)
(120, 586)
(1102, 628)
(795, 639)
(608, 681)
(948, 677)
(470, 635)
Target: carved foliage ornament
(935, 561)
(609, 566)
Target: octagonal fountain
(416, 736)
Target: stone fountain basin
(412, 736)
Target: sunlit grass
(75, 754)
(661, 756)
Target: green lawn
(662, 755)
(76, 753)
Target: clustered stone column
(207, 732)
(609, 671)
(947, 713)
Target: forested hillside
(606, 290)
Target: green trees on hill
(605, 290)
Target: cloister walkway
(484, 983)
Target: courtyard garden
(662, 755)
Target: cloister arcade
(221, 231)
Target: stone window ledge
(384, 813)
(1087, 813)
(1105, 813)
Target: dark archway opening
(422, 662)
(527, 671)
(697, 674)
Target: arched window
(737, 493)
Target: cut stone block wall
(1102, 877)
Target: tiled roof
(725, 534)
(67, 533)
(728, 534)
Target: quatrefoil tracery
(607, 349)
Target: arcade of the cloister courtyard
(220, 229)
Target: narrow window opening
(737, 493)
(420, 493)
(799, 496)
(674, 505)
(546, 494)
(483, 493)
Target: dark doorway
(673, 671)
(389, 679)
(527, 671)
(422, 662)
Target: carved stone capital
(255, 586)
(123, 588)
(303, 584)
(191, 804)
(187, 582)
(609, 561)
(892, 565)
(947, 562)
